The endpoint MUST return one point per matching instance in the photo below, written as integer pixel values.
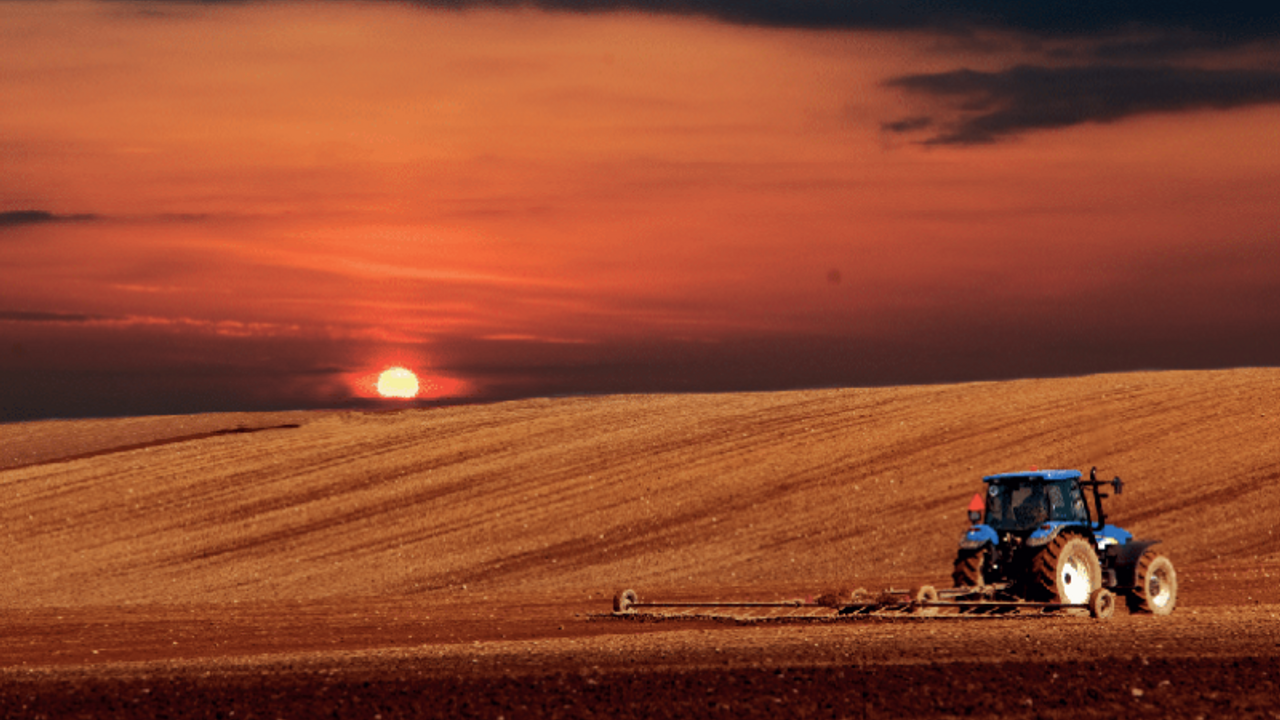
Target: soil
(461, 562)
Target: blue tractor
(1034, 536)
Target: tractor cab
(1020, 503)
(1036, 532)
(1032, 507)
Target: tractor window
(1016, 506)
(1055, 501)
(1066, 504)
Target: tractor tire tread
(968, 568)
(1138, 599)
(1044, 567)
(1043, 580)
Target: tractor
(1035, 545)
(1034, 536)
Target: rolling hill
(588, 494)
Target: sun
(398, 382)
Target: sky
(261, 205)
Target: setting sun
(398, 382)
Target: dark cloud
(908, 124)
(1233, 21)
(14, 218)
(1104, 35)
(1228, 22)
(1170, 44)
(982, 107)
(1091, 32)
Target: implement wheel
(1102, 604)
(921, 597)
(1156, 585)
(1066, 570)
(623, 601)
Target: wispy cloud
(16, 218)
(48, 317)
(226, 328)
(983, 107)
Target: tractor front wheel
(1066, 570)
(1156, 585)
(968, 568)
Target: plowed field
(454, 562)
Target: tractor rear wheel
(1156, 585)
(1066, 570)
(968, 568)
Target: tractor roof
(1041, 475)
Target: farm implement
(921, 602)
(1034, 547)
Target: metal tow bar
(924, 601)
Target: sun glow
(398, 382)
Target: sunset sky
(261, 205)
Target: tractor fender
(1124, 558)
(1050, 530)
(1101, 537)
(977, 536)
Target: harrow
(920, 602)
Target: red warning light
(976, 506)
(1034, 468)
